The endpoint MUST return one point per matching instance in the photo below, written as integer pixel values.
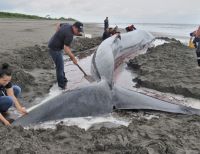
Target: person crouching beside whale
(8, 94)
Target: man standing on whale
(62, 40)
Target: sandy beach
(167, 68)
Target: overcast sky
(133, 11)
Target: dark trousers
(7, 101)
(198, 53)
(196, 40)
(57, 57)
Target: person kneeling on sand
(8, 94)
(130, 28)
(196, 41)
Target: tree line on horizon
(25, 16)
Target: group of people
(109, 31)
(196, 41)
(59, 42)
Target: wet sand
(34, 71)
(171, 67)
(163, 134)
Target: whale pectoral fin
(126, 99)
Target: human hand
(7, 123)
(23, 111)
(74, 61)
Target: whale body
(103, 95)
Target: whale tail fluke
(127, 99)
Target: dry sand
(24, 45)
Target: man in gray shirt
(62, 40)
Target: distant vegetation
(24, 16)
(19, 15)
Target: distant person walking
(62, 40)
(196, 41)
(106, 23)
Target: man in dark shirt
(62, 40)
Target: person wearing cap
(62, 40)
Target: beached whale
(102, 96)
